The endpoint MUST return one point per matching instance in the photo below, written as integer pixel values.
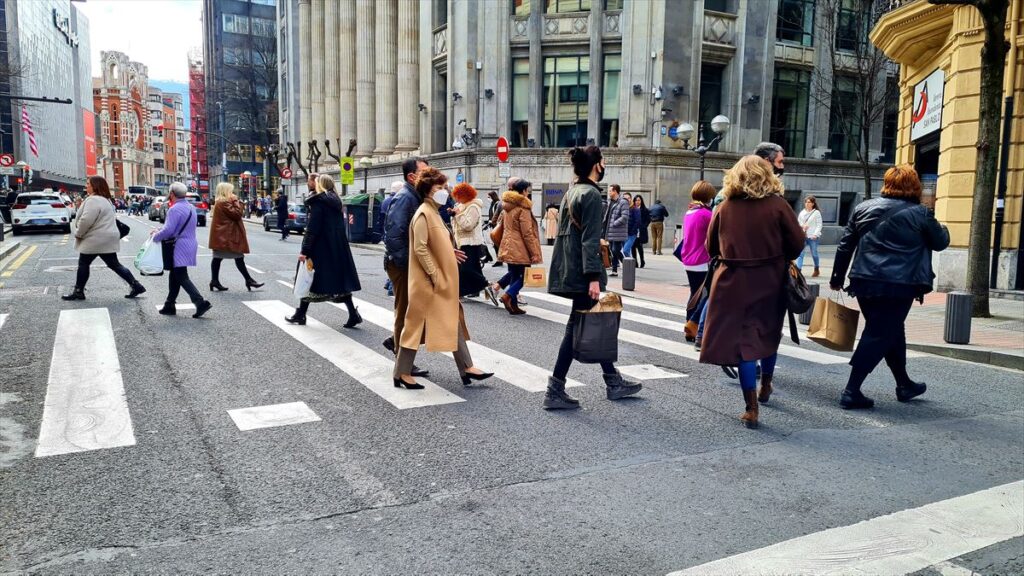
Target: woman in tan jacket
(227, 237)
(520, 243)
(434, 316)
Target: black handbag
(595, 337)
(122, 228)
(167, 246)
(799, 298)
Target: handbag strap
(793, 334)
(182, 227)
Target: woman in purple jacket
(181, 225)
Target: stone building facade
(125, 142)
(170, 139)
(446, 78)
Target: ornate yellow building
(939, 52)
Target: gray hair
(178, 189)
(768, 151)
(396, 187)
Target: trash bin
(628, 274)
(805, 317)
(958, 317)
(360, 228)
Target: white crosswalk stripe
(85, 407)
(364, 365)
(508, 368)
(3, 318)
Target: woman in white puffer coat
(467, 225)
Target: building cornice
(912, 30)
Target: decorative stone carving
(440, 42)
(720, 28)
(566, 25)
(611, 23)
(793, 54)
(519, 28)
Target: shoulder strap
(182, 227)
(882, 222)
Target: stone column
(305, 58)
(347, 74)
(365, 78)
(594, 99)
(535, 28)
(409, 72)
(387, 76)
(331, 71)
(316, 76)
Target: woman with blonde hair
(755, 235)
(228, 238)
(325, 243)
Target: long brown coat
(435, 314)
(520, 241)
(755, 239)
(227, 231)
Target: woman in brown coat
(520, 243)
(755, 235)
(227, 237)
(434, 316)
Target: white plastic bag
(150, 260)
(303, 279)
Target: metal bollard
(628, 274)
(805, 318)
(958, 318)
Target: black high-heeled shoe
(399, 383)
(250, 285)
(296, 319)
(354, 319)
(469, 377)
(216, 287)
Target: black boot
(619, 387)
(556, 398)
(137, 288)
(904, 392)
(76, 294)
(354, 318)
(202, 308)
(855, 400)
(168, 309)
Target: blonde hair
(752, 177)
(324, 183)
(224, 191)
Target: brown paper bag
(833, 325)
(535, 278)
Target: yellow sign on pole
(348, 171)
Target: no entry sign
(286, 172)
(502, 149)
(6, 160)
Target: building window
(158, 163)
(283, 43)
(610, 100)
(710, 104)
(235, 56)
(235, 23)
(717, 5)
(157, 147)
(263, 27)
(795, 22)
(284, 90)
(890, 123)
(843, 123)
(440, 13)
(851, 25)
(565, 123)
(520, 101)
(521, 7)
(791, 92)
(565, 6)
(264, 2)
(613, 4)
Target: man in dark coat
(282, 211)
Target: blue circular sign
(673, 132)
(459, 178)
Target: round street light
(720, 124)
(365, 162)
(685, 131)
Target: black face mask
(778, 171)
(600, 173)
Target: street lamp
(365, 164)
(719, 125)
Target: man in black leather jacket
(894, 237)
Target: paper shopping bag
(596, 334)
(833, 325)
(535, 278)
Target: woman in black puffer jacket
(894, 237)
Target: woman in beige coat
(434, 316)
(97, 236)
(551, 224)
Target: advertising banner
(89, 127)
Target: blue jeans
(627, 248)
(812, 243)
(512, 281)
(703, 306)
(748, 371)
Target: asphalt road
(489, 484)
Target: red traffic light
(19, 180)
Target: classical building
(629, 75)
(170, 138)
(939, 48)
(120, 97)
(44, 52)
(241, 88)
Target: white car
(40, 210)
(70, 204)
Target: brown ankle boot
(766, 389)
(749, 418)
(690, 331)
(817, 272)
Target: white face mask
(440, 197)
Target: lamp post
(365, 164)
(246, 176)
(719, 125)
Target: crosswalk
(86, 408)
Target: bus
(143, 191)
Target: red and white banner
(26, 127)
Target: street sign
(502, 149)
(6, 160)
(286, 172)
(348, 170)
(459, 177)
(504, 169)
(7, 170)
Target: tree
(993, 61)
(853, 86)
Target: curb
(1013, 361)
(8, 247)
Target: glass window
(565, 121)
(717, 5)
(264, 2)
(843, 123)
(440, 13)
(235, 56)
(890, 123)
(613, 4)
(791, 92)
(521, 7)
(710, 104)
(795, 22)
(610, 100)
(565, 6)
(852, 25)
(158, 163)
(157, 147)
(520, 101)
(236, 23)
(263, 27)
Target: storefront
(939, 52)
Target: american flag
(26, 127)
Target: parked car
(40, 210)
(70, 204)
(202, 208)
(296, 219)
(154, 208)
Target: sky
(157, 33)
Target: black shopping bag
(596, 334)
